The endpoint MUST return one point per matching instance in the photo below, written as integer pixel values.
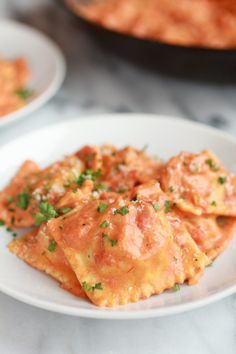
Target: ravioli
(121, 169)
(34, 186)
(73, 198)
(211, 233)
(126, 251)
(128, 167)
(117, 225)
(9, 212)
(199, 184)
(90, 172)
(41, 252)
(52, 182)
(91, 157)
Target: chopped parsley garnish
(81, 179)
(13, 233)
(8, 229)
(104, 224)
(171, 189)
(88, 174)
(213, 203)
(102, 207)
(10, 199)
(39, 218)
(47, 212)
(2, 222)
(176, 288)
(52, 246)
(65, 210)
(88, 287)
(122, 211)
(221, 180)
(167, 206)
(156, 206)
(98, 286)
(113, 243)
(107, 237)
(23, 200)
(24, 93)
(211, 164)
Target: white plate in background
(44, 58)
(165, 136)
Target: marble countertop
(100, 80)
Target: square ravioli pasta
(21, 199)
(95, 169)
(116, 225)
(123, 251)
(211, 233)
(121, 169)
(42, 253)
(199, 184)
(10, 213)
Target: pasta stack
(116, 225)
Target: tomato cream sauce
(116, 225)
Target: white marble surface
(98, 81)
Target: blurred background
(111, 72)
(179, 63)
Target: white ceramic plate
(45, 60)
(165, 136)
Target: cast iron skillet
(185, 62)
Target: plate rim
(53, 87)
(126, 115)
(109, 313)
(117, 314)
